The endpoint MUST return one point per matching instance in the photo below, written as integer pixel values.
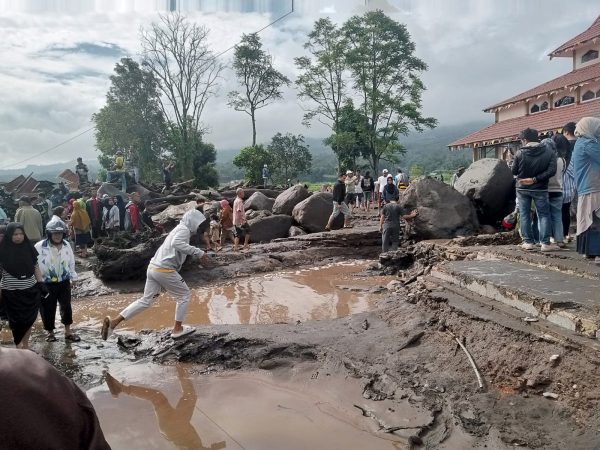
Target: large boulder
(265, 229)
(173, 214)
(253, 214)
(112, 191)
(313, 213)
(259, 202)
(211, 194)
(443, 212)
(489, 184)
(288, 199)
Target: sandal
(72, 337)
(186, 330)
(107, 331)
(51, 338)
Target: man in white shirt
(382, 180)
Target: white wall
(518, 110)
(581, 51)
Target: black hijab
(19, 260)
(390, 188)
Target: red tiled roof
(71, 178)
(508, 130)
(587, 74)
(592, 32)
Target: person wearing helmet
(163, 273)
(57, 266)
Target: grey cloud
(102, 49)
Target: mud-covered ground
(401, 354)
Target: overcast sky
(57, 57)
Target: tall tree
(349, 142)
(131, 117)
(386, 77)
(290, 156)
(322, 81)
(251, 160)
(176, 51)
(261, 82)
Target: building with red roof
(546, 107)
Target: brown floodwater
(325, 292)
(159, 407)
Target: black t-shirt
(392, 212)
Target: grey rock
(288, 199)
(296, 231)
(259, 201)
(489, 184)
(111, 191)
(313, 212)
(252, 214)
(443, 211)
(211, 194)
(173, 213)
(265, 229)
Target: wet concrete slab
(157, 407)
(566, 300)
(326, 292)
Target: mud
(326, 292)
(389, 370)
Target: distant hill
(48, 172)
(427, 150)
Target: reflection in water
(320, 293)
(174, 423)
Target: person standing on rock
(389, 224)
(382, 180)
(350, 183)
(533, 166)
(368, 187)
(339, 205)
(586, 162)
(163, 273)
(241, 227)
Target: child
(215, 232)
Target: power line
(262, 29)
(48, 149)
(90, 129)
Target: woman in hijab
(81, 224)
(586, 166)
(390, 191)
(21, 283)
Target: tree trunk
(252, 115)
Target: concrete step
(563, 299)
(482, 308)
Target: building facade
(546, 107)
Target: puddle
(171, 407)
(325, 292)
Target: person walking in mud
(163, 273)
(389, 224)
(57, 267)
(174, 423)
(240, 224)
(21, 283)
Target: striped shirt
(568, 184)
(11, 283)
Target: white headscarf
(588, 127)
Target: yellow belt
(160, 269)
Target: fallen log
(118, 264)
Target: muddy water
(171, 407)
(286, 297)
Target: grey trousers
(155, 281)
(390, 239)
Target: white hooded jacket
(173, 252)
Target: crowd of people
(552, 173)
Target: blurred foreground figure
(43, 409)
